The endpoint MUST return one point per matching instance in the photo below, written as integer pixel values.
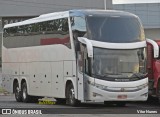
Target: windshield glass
(109, 63)
(114, 29)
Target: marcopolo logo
(6, 111)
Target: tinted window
(119, 64)
(78, 25)
(114, 29)
(43, 33)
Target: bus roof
(63, 14)
(41, 18)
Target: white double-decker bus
(76, 56)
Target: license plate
(122, 96)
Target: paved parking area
(87, 110)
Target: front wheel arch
(70, 94)
(67, 84)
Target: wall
(149, 13)
(153, 33)
(37, 7)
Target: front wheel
(71, 96)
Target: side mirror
(155, 47)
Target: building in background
(149, 14)
(17, 10)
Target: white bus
(76, 56)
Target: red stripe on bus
(49, 41)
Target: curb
(1, 94)
(4, 94)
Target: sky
(134, 1)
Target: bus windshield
(114, 29)
(119, 64)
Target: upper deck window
(38, 34)
(114, 29)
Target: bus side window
(87, 62)
(76, 42)
(78, 25)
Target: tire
(17, 92)
(25, 97)
(71, 96)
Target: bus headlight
(101, 86)
(120, 89)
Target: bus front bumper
(120, 91)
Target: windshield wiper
(97, 75)
(112, 75)
(139, 75)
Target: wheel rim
(24, 93)
(17, 92)
(71, 96)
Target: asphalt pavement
(138, 109)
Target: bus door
(80, 66)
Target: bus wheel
(17, 92)
(71, 96)
(25, 96)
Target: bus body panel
(38, 67)
(115, 89)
